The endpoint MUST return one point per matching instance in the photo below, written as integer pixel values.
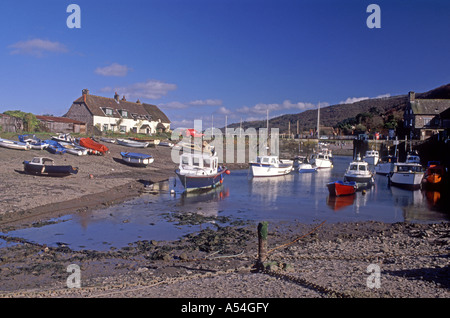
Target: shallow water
(301, 197)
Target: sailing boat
(321, 159)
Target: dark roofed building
(62, 124)
(117, 114)
(423, 117)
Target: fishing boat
(33, 141)
(406, 175)
(371, 157)
(137, 159)
(151, 142)
(73, 148)
(133, 143)
(306, 168)
(13, 144)
(44, 166)
(321, 160)
(359, 172)
(340, 188)
(198, 171)
(386, 165)
(268, 166)
(54, 147)
(95, 147)
(434, 175)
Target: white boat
(306, 167)
(359, 172)
(166, 144)
(407, 175)
(12, 144)
(132, 143)
(34, 142)
(137, 159)
(266, 166)
(386, 165)
(74, 149)
(64, 138)
(411, 158)
(321, 160)
(371, 157)
(110, 140)
(200, 171)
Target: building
(105, 114)
(10, 124)
(62, 124)
(423, 117)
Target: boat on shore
(54, 147)
(151, 142)
(109, 140)
(341, 188)
(33, 141)
(137, 159)
(13, 144)
(45, 166)
(359, 172)
(371, 157)
(407, 175)
(73, 148)
(132, 143)
(268, 166)
(386, 165)
(63, 137)
(93, 146)
(200, 171)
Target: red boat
(434, 174)
(94, 146)
(340, 188)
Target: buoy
(363, 191)
(227, 171)
(91, 176)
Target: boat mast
(318, 125)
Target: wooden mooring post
(262, 243)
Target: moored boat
(200, 171)
(137, 159)
(306, 168)
(267, 166)
(407, 175)
(55, 148)
(321, 160)
(13, 144)
(359, 172)
(434, 175)
(340, 188)
(44, 166)
(371, 157)
(386, 165)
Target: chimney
(412, 96)
(138, 101)
(116, 96)
(85, 91)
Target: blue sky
(204, 59)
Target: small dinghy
(340, 188)
(44, 166)
(33, 141)
(55, 147)
(133, 143)
(95, 147)
(136, 159)
(12, 144)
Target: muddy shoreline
(330, 261)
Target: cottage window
(123, 128)
(108, 111)
(105, 127)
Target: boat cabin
(42, 161)
(408, 168)
(196, 162)
(269, 160)
(412, 159)
(358, 166)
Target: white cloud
(198, 102)
(259, 111)
(151, 89)
(351, 100)
(114, 69)
(37, 47)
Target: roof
(429, 106)
(97, 105)
(59, 119)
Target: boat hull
(322, 163)
(12, 144)
(406, 180)
(136, 159)
(267, 170)
(49, 170)
(96, 147)
(384, 168)
(193, 183)
(358, 179)
(131, 143)
(306, 168)
(339, 188)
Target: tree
(30, 122)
